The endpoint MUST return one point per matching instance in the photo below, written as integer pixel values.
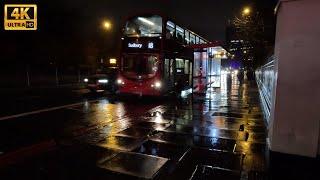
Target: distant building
(240, 49)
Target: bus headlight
(157, 84)
(103, 81)
(85, 79)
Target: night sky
(71, 27)
(206, 17)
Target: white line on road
(44, 110)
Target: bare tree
(251, 29)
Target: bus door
(182, 73)
(190, 67)
(169, 73)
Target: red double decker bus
(155, 58)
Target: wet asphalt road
(220, 134)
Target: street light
(246, 11)
(106, 25)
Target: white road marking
(45, 110)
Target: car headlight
(85, 79)
(103, 81)
(119, 81)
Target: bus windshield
(140, 66)
(144, 26)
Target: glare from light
(179, 29)
(120, 82)
(113, 61)
(146, 21)
(214, 52)
(157, 84)
(170, 24)
(86, 80)
(107, 25)
(103, 81)
(185, 93)
(246, 11)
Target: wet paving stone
(214, 143)
(254, 162)
(204, 123)
(152, 125)
(136, 132)
(257, 137)
(208, 131)
(181, 139)
(203, 172)
(250, 147)
(121, 143)
(227, 160)
(134, 164)
(213, 136)
(195, 141)
(160, 120)
(222, 119)
(256, 129)
(89, 154)
(236, 115)
(170, 151)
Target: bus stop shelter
(207, 66)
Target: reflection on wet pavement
(209, 172)
(121, 143)
(220, 135)
(171, 151)
(135, 164)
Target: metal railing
(265, 78)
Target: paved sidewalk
(219, 135)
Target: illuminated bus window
(170, 30)
(192, 38)
(186, 66)
(187, 37)
(197, 40)
(179, 65)
(167, 68)
(144, 26)
(179, 33)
